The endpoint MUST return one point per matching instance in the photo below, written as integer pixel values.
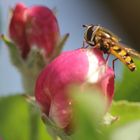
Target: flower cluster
(35, 31)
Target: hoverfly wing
(111, 34)
(131, 51)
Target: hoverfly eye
(89, 34)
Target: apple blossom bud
(42, 29)
(36, 27)
(36, 41)
(81, 66)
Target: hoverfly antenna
(84, 25)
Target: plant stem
(28, 83)
(34, 123)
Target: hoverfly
(109, 43)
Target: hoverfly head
(89, 34)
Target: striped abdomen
(123, 56)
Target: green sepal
(59, 46)
(33, 65)
(56, 132)
(14, 52)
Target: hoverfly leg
(113, 63)
(107, 57)
(84, 45)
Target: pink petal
(17, 28)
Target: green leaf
(89, 109)
(130, 131)
(126, 113)
(129, 87)
(15, 120)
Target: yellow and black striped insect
(109, 43)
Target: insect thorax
(104, 48)
(103, 44)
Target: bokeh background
(120, 16)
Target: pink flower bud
(42, 29)
(34, 27)
(17, 28)
(81, 66)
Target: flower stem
(34, 123)
(28, 83)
